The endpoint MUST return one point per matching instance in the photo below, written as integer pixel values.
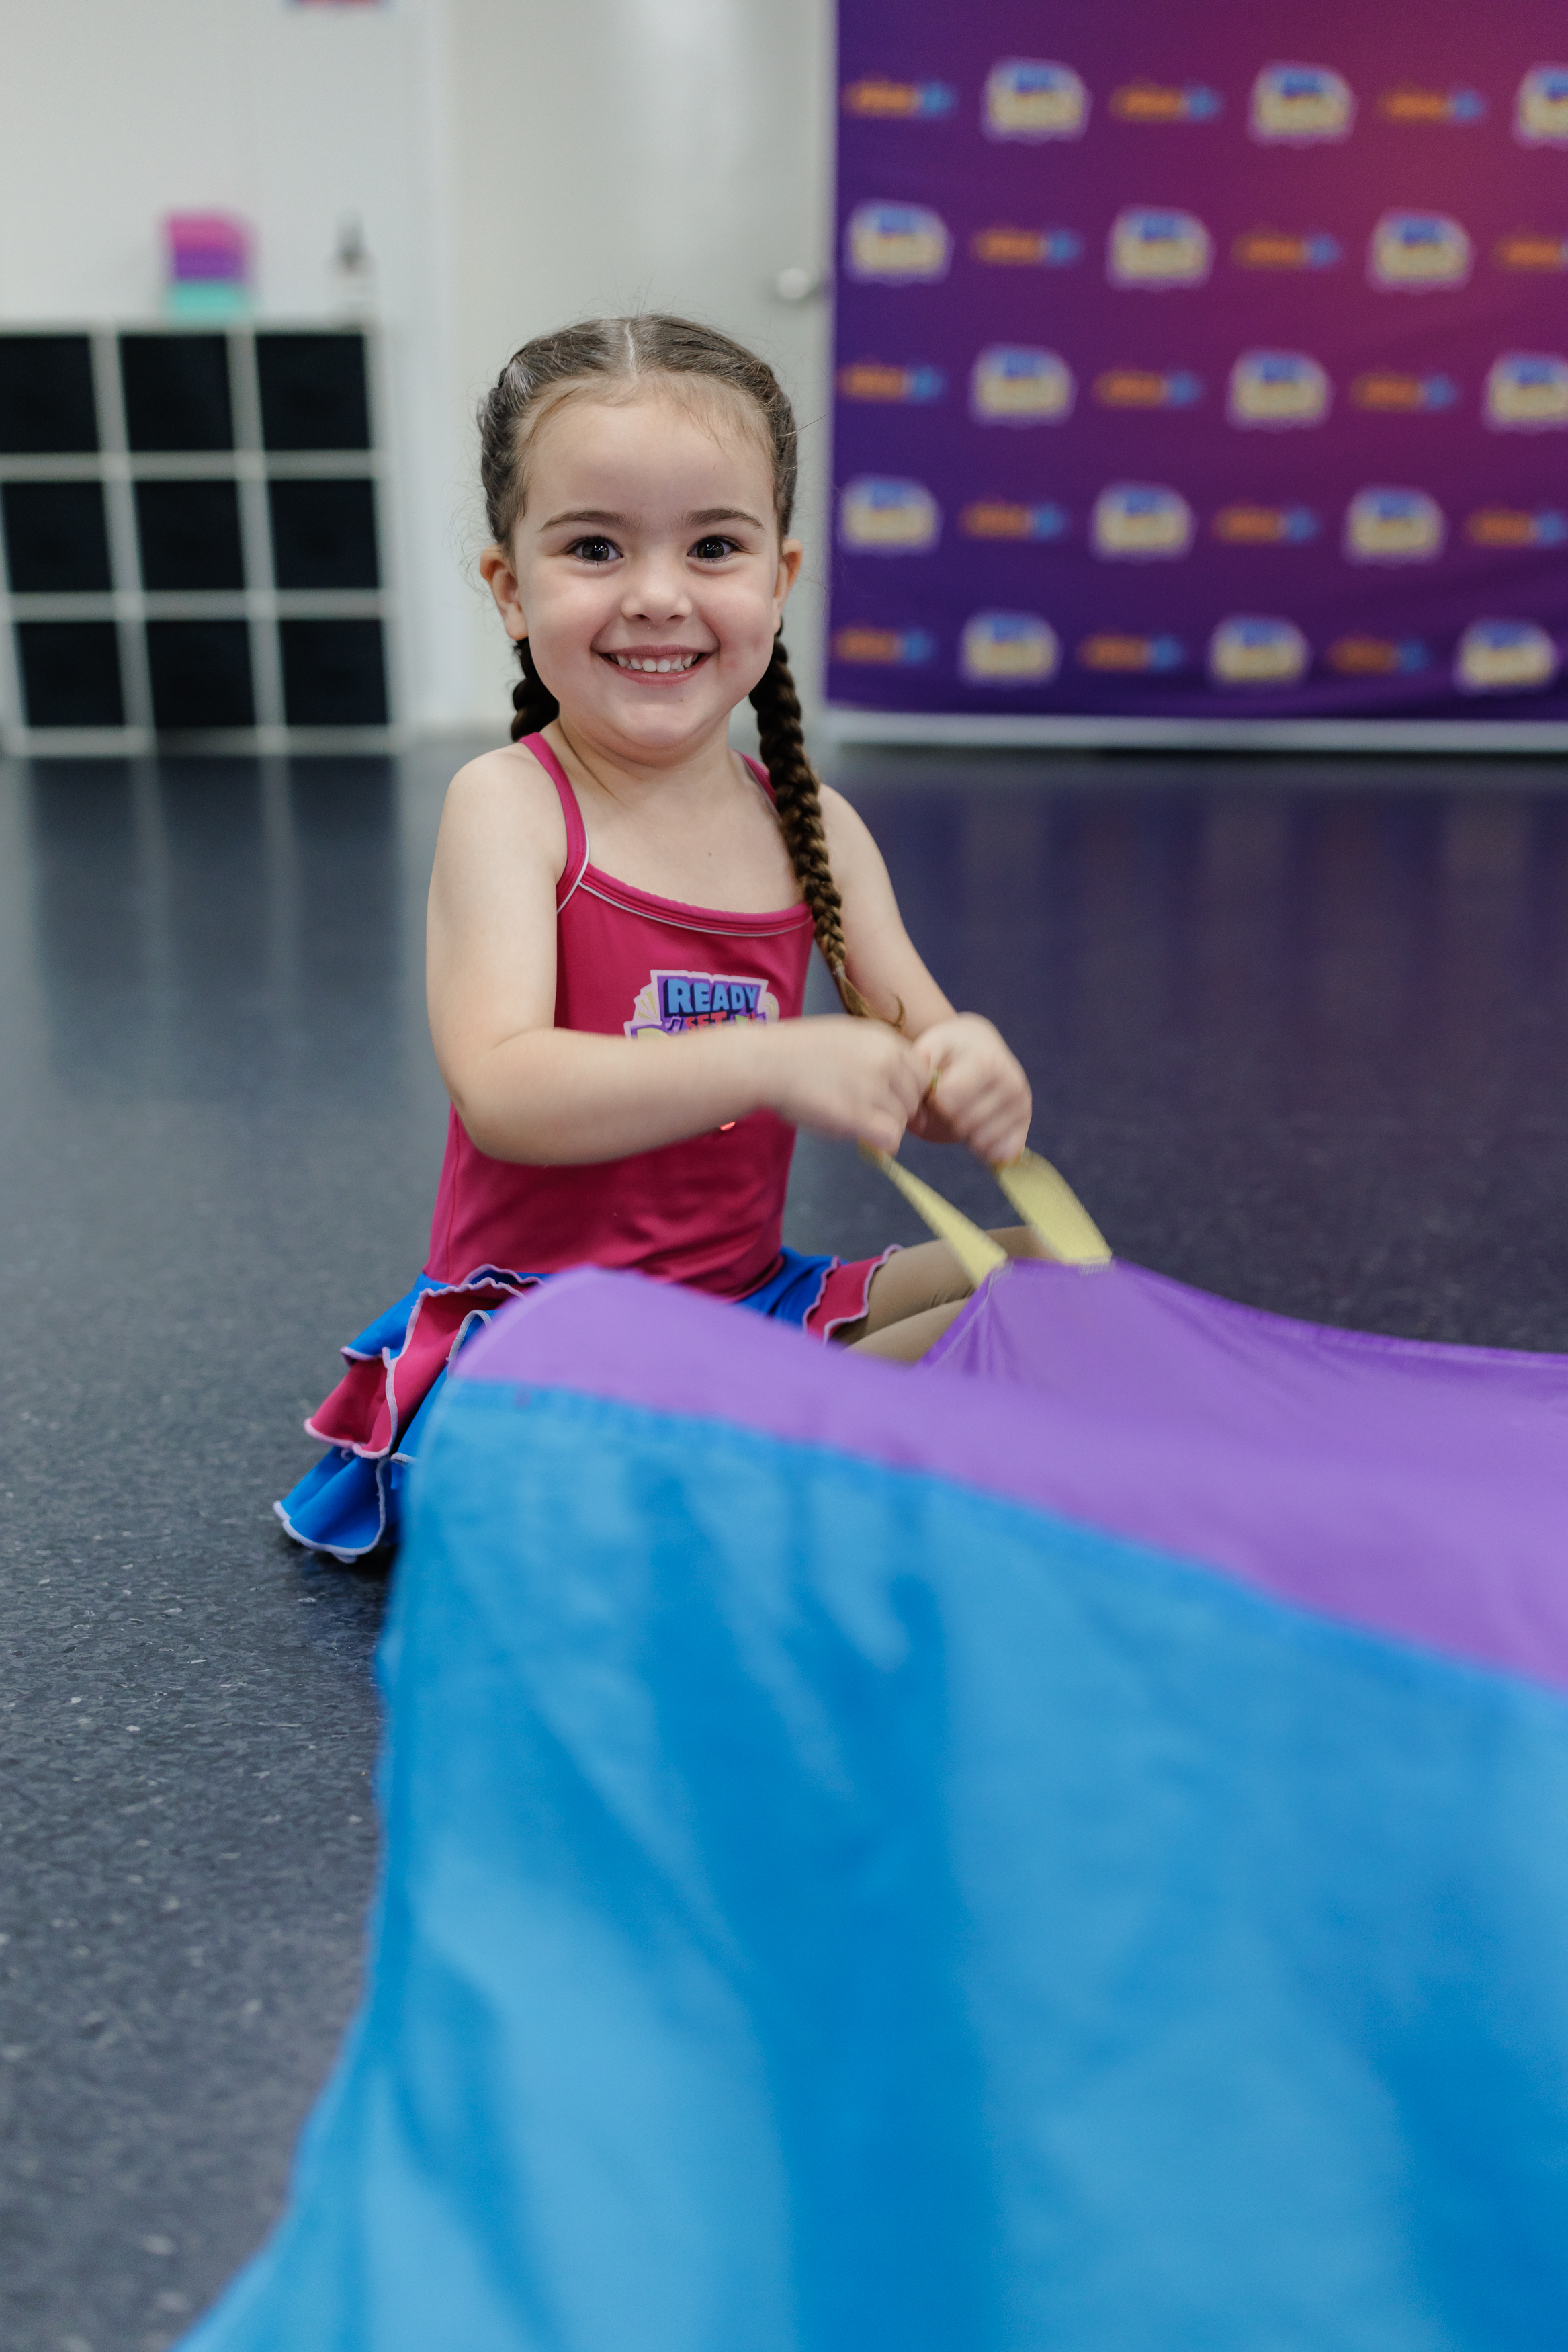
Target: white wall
(660, 154)
(515, 162)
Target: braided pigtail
(532, 700)
(799, 812)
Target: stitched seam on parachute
(1409, 1654)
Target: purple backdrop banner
(1206, 361)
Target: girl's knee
(926, 1276)
(905, 1342)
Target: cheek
(568, 614)
(743, 618)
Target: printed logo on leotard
(674, 1001)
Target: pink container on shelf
(208, 265)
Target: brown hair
(621, 352)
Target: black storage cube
(313, 392)
(201, 674)
(324, 534)
(189, 534)
(56, 539)
(71, 673)
(47, 403)
(176, 392)
(334, 674)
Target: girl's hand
(976, 1092)
(857, 1081)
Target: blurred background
(463, 174)
(1297, 1026)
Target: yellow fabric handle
(1043, 1199)
(1052, 1210)
(976, 1252)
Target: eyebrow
(699, 520)
(583, 514)
(704, 515)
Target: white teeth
(682, 662)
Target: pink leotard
(707, 1212)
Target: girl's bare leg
(907, 1342)
(915, 1297)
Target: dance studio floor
(1298, 1034)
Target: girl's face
(646, 572)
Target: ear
(495, 570)
(791, 553)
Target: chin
(666, 719)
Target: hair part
(615, 358)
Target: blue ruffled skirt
(350, 1504)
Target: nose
(654, 588)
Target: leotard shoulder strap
(575, 864)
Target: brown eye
(714, 550)
(594, 551)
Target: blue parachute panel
(828, 1904)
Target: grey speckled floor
(1299, 1033)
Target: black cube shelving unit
(195, 533)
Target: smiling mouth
(679, 663)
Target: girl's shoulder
(851, 845)
(502, 806)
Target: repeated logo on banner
(1210, 360)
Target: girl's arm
(528, 1091)
(978, 1093)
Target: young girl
(622, 910)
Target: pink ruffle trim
(378, 1396)
(843, 1296)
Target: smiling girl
(622, 910)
